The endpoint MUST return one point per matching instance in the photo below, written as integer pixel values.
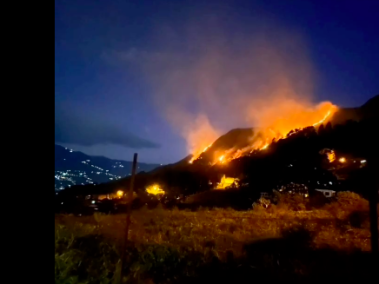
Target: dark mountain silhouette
(241, 137)
(97, 169)
(369, 110)
(64, 159)
(344, 132)
(295, 159)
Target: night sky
(126, 70)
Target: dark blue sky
(130, 74)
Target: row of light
(343, 160)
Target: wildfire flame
(322, 120)
(331, 156)
(265, 146)
(196, 156)
(281, 128)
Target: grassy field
(178, 246)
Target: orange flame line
(222, 158)
(322, 120)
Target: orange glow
(197, 155)
(294, 118)
(264, 147)
(227, 182)
(285, 126)
(322, 120)
(331, 157)
(342, 160)
(120, 193)
(102, 197)
(155, 190)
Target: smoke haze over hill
(205, 81)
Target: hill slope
(294, 159)
(240, 137)
(368, 110)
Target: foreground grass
(175, 246)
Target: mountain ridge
(239, 138)
(75, 167)
(293, 159)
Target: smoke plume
(207, 78)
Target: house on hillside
(295, 188)
(327, 192)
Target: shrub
(169, 245)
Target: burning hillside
(306, 155)
(292, 118)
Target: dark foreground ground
(220, 245)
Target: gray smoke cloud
(206, 78)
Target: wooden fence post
(129, 196)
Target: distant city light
(120, 193)
(363, 161)
(342, 160)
